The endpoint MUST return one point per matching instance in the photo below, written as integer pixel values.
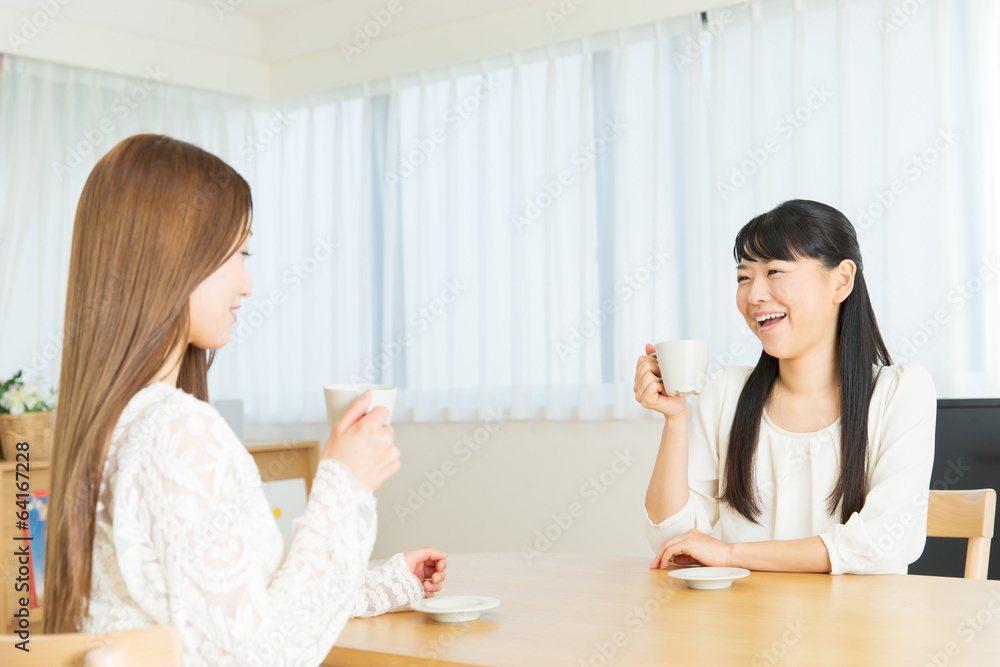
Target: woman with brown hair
(157, 514)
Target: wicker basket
(34, 428)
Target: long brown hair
(156, 217)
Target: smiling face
(214, 301)
(792, 306)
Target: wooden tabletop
(593, 611)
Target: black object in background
(966, 456)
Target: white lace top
(185, 536)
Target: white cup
(340, 396)
(683, 366)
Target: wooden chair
(968, 514)
(288, 460)
(158, 646)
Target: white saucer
(455, 608)
(709, 578)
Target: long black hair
(800, 229)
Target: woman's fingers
(656, 561)
(646, 365)
(650, 391)
(684, 559)
(668, 554)
(355, 411)
(429, 554)
(433, 584)
(681, 550)
(377, 417)
(670, 549)
(653, 392)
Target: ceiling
(271, 48)
(264, 8)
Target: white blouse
(185, 536)
(796, 472)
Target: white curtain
(505, 235)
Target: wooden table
(593, 611)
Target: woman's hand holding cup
(364, 443)
(648, 388)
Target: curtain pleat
(504, 236)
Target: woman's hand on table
(694, 548)
(427, 565)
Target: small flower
(18, 397)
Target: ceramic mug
(340, 396)
(683, 366)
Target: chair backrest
(158, 646)
(967, 514)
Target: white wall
(271, 48)
(524, 471)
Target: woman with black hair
(819, 458)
